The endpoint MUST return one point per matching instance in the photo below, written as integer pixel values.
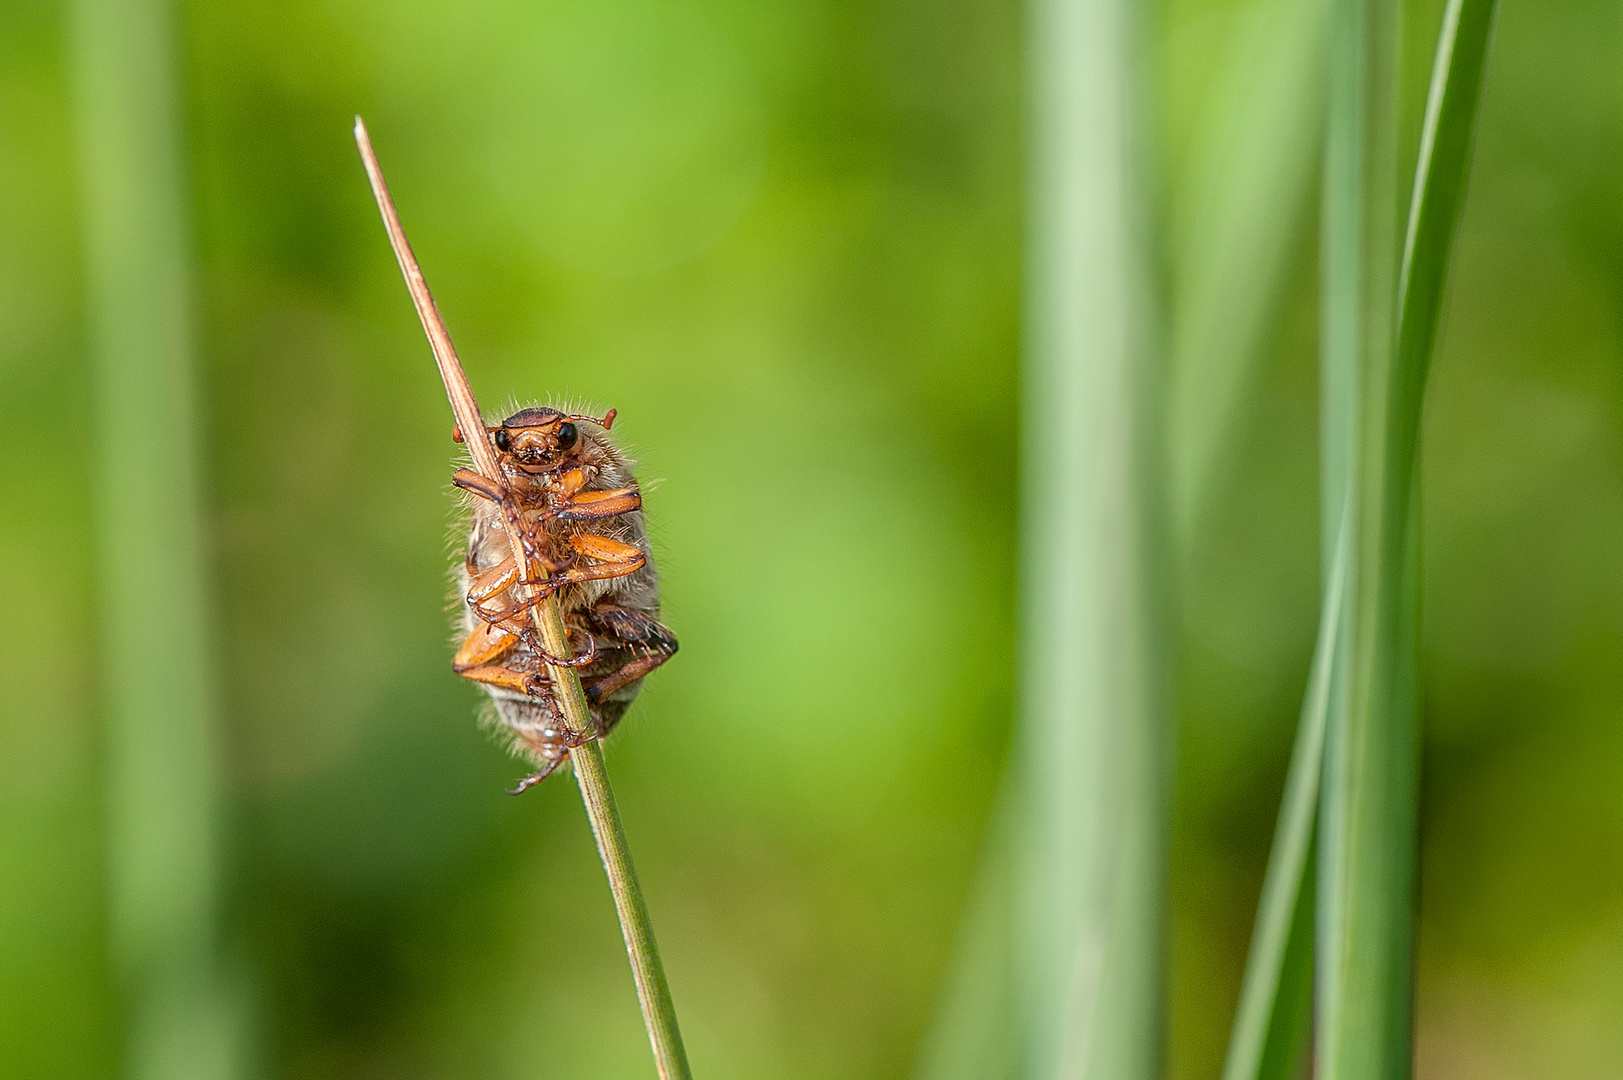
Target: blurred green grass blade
(1232, 270)
(159, 697)
(1230, 275)
(1092, 712)
(1250, 203)
(1272, 1022)
(1367, 865)
(972, 1036)
(1439, 184)
(1366, 826)
(1366, 836)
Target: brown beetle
(567, 492)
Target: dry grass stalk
(653, 993)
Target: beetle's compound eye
(502, 440)
(567, 434)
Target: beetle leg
(570, 483)
(487, 583)
(585, 659)
(536, 777)
(487, 643)
(612, 558)
(570, 502)
(623, 630)
(507, 679)
(501, 630)
(509, 620)
(495, 636)
(486, 488)
(479, 484)
(630, 672)
(554, 750)
(649, 643)
(573, 660)
(591, 505)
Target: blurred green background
(785, 242)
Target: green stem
(1272, 1021)
(653, 992)
(1386, 308)
(161, 702)
(1367, 819)
(1364, 1022)
(1093, 710)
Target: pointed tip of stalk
(463, 405)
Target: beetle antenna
(606, 421)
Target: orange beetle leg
(570, 483)
(607, 549)
(507, 679)
(488, 583)
(612, 559)
(468, 480)
(487, 643)
(589, 505)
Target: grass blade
(1231, 269)
(1272, 1022)
(161, 702)
(1092, 739)
(1230, 273)
(1439, 183)
(1366, 821)
(973, 1034)
(1367, 862)
(1231, 276)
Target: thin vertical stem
(653, 992)
(1364, 1020)
(1385, 334)
(161, 701)
(1366, 849)
(1250, 202)
(1092, 705)
(1273, 1019)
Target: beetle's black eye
(567, 435)
(502, 441)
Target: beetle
(567, 493)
